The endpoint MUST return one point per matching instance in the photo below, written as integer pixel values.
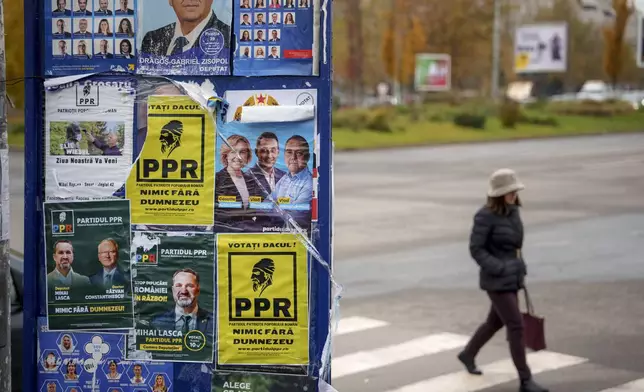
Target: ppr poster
(184, 37)
(87, 361)
(258, 382)
(88, 138)
(276, 37)
(88, 271)
(173, 296)
(263, 295)
(87, 36)
(172, 181)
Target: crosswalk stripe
(357, 324)
(494, 373)
(633, 386)
(389, 355)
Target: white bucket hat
(504, 181)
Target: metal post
(397, 56)
(496, 49)
(5, 272)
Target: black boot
(469, 364)
(531, 386)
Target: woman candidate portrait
(125, 28)
(245, 36)
(51, 362)
(125, 48)
(113, 373)
(81, 49)
(231, 180)
(159, 384)
(71, 374)
(104, 28)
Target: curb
(475, 142)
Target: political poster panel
(276, 37)
(248, 382)
(88, 271)
(260, 166)
(174, 296)
(172, 181)
(75, 361)
(184, 37)
(432, 72)
(86, 36)
(541, 48)
(88, 138)
(263, 303)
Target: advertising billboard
(541, 48)
(433, 72)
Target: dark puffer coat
(494, 245)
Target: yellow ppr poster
(173, 180)
(263, 293)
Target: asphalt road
(402, 219)
(402, 224)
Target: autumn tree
(614, 40)
(404, 37)
(15, 48)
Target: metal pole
(496, 49)
(397, 56)
(5, 283)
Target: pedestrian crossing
(375, 356)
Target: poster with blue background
(258, 165)
(76, 361)
(275, 37)
(180, 37)
(83, 36)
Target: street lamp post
(496, 49)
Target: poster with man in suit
(184, 37)
(261, 166)
(174, 296)
(88, 268)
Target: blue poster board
(69, 360)
(39, 62)
(83, 36)
(274, 37)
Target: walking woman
(495, 245)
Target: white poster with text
(88, 146)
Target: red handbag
(533, 326)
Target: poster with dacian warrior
(263, 303)
(172, 181)
(173, 296)
(88, 271)
(88, 138)
(184, 37)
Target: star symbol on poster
(261, 99)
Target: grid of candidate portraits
(93, 29)
(63, 357)
(260, 24)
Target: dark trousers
(504, 311)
